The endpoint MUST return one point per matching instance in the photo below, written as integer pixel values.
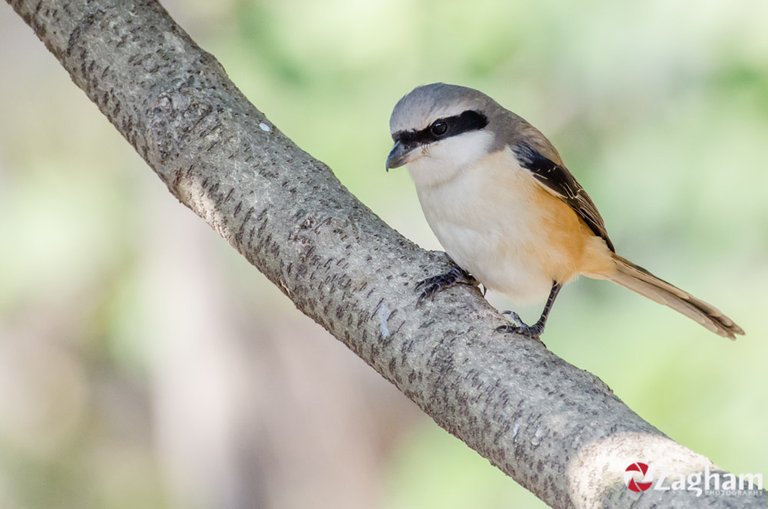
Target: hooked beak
(400, 155)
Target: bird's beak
(400, 155)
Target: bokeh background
(144, 364)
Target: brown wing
(559, 181)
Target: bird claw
(514, 317)
(520, 327)
(430, 286)
(529, 331)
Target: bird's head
(440, 129)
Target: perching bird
(506, 209)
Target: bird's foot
(514, 317)
(456, 276)
(520, 327)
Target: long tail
(646, 284)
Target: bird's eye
(439, 127)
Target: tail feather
(646, 284)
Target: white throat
(441, 162)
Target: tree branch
(555, 429)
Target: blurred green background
(144, 364)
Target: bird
(507, 210)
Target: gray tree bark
(558, 431)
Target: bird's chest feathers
(485, 203)
(494, 220)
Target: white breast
(485, 217)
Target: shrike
(506, 209)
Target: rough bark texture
(555, 429)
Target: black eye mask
(443, 128)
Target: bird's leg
(535, 330)
(434, 284)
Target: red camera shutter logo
(635, 477)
